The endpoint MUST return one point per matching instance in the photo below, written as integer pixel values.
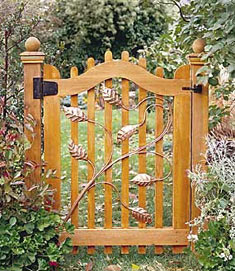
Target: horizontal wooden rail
(123, 69)
(128, 237)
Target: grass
(133, 261)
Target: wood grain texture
(190, 127)
(91, 152)
(125, 149)
(123, 69)
(128, 237)
(142, 157)
(32, 107)
(181, 157)
(52, 140)
(108, 148)
(159, 163)
(74, 162)
(200, 105)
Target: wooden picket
(142, 157)
(74, 162)
(125, 149)
(159, 163)
(91, 153)
(185, 151)
(108, 174)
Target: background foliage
(214, 21)
(18, 19)
(81, 29)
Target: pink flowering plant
(29, 233)
(14, 169)
(215, 197)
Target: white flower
(220, 216)
(192, 238)
(222, 255)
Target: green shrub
(30, 239)
(215, 248)
(215, 197)
(81, 29)
(165, 52)
(29, 234)
(18, 20)
(214, 21)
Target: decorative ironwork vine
(111, 96)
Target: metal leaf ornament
(126, 132)
(143, 180)
(77, 152)
(111, 96)
(141, 215)
(75, 114)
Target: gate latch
(43, 88)
(195, 88)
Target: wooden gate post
(199, 115)
(32, 60)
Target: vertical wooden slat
(74, 162)
(125, 149)
(108, 174)
(91, 152)
(52, 140)
(159, 164)
(181, 156)
(142, 157)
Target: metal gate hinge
(195, 89)
(43, 88)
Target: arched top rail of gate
(120, 69)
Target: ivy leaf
(204, 69)
(31, 258)
(213, 81)
(202, 80)
(69, 228)
(29, 227)
(232, 244)
(13, 221)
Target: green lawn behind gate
(99, 145)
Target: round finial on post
(32, 44)
(198, 46)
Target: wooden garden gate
(187, 114)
